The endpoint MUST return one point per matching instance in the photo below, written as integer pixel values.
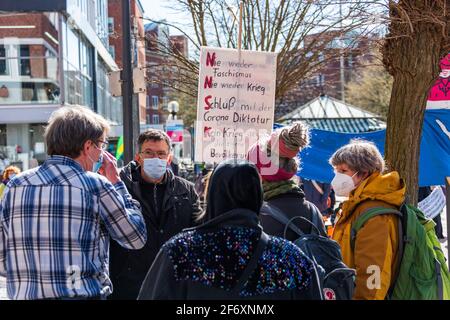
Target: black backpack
(338, 280)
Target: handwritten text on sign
(433, 204)
(236, 100)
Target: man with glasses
(56, 220)
(169, 205)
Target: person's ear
(365, 176)
(169, 159)
(86, 147)
(360, 177)
(138, 159)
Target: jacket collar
(132, 175)
(65, 161)
(389, 188)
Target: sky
(158, 10)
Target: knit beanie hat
(275, 156)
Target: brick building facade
(159, 69)
(138, 42)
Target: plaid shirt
(55, 224)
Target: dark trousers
(438, 227)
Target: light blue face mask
(155, 168)
(97, 164)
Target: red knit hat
(275, 156)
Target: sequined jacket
(207, 262)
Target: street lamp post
(173, 107)
(130, 118)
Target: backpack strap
(440, 285)
(276, 213)
(252, 264)
(366, 216)
(317, 221)
(289, 224)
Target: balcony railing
(29, 80)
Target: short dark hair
(153, 135)
(70, 127)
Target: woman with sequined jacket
(229, 257)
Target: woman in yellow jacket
(359, 169)
(9, 173)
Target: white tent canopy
(327, 113)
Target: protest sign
(432, 205)
(236, 100)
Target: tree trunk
(411, 54)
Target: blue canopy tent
(329, 134)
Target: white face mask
(155, 168)
(343, 184)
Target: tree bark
(411, 54)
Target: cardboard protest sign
(236, 101)
(433, 205)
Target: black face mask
(233, 185)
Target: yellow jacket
(2, 189)
(376, 244)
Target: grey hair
(359, 155)
(70, 127)
(289, 164)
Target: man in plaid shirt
(56, 220)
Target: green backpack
(422, 272)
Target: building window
(155, 119)
(4, 70)
(155, 102)
(25, 68)
(320, 80)
(111, 25)
(321, 57)
(165, 102)
(148, 118)
(147, 105)
(112, 51)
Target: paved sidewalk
(3, 289)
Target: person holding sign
(277, 162)
(431, 202)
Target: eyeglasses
(152, 154)
(104, 144)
